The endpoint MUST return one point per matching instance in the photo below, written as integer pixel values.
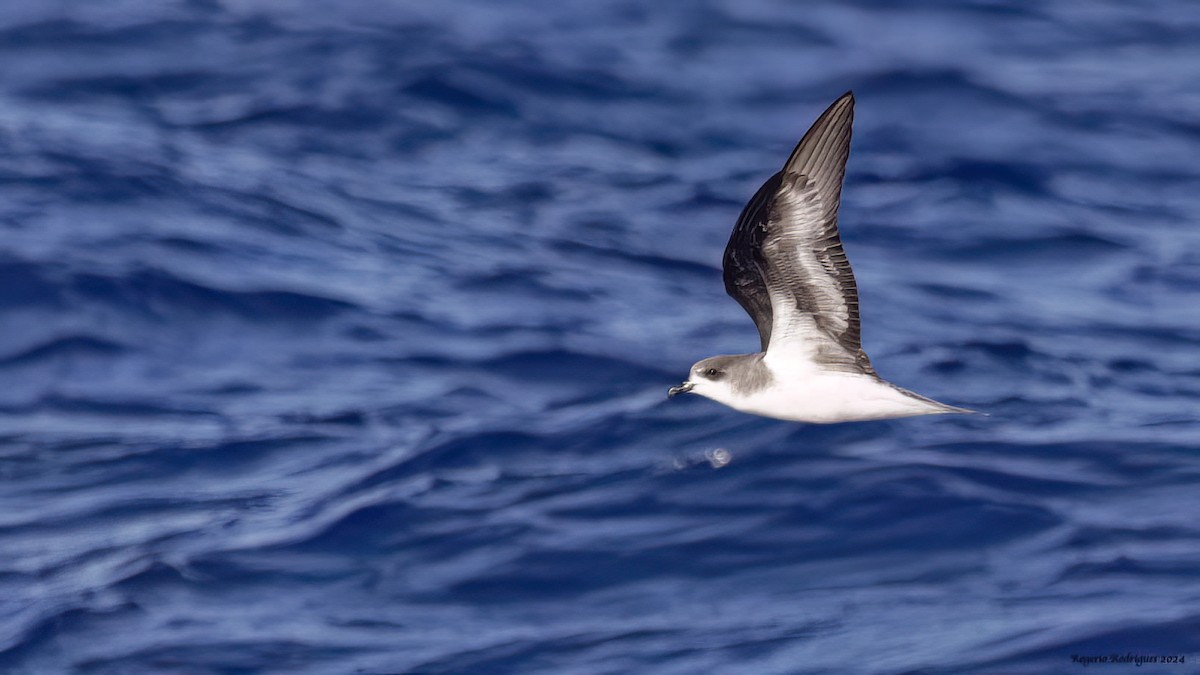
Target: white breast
(802, 393)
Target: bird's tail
(937, 407)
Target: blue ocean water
(336, 336)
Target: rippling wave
(337, 338)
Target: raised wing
(744, 263)
(784, 263)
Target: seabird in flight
(785, 266)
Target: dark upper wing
(744, 263)
(785, 263)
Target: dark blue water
(336, 337)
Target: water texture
(335, 337)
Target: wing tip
(844, 104)
(831, 130)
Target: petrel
(785, 266)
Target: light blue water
(335, 338)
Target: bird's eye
(711, 373)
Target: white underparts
(802, 392)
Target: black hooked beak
(681, 389)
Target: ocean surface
(335, 338)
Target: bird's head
(710, 378)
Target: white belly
(826, 397)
